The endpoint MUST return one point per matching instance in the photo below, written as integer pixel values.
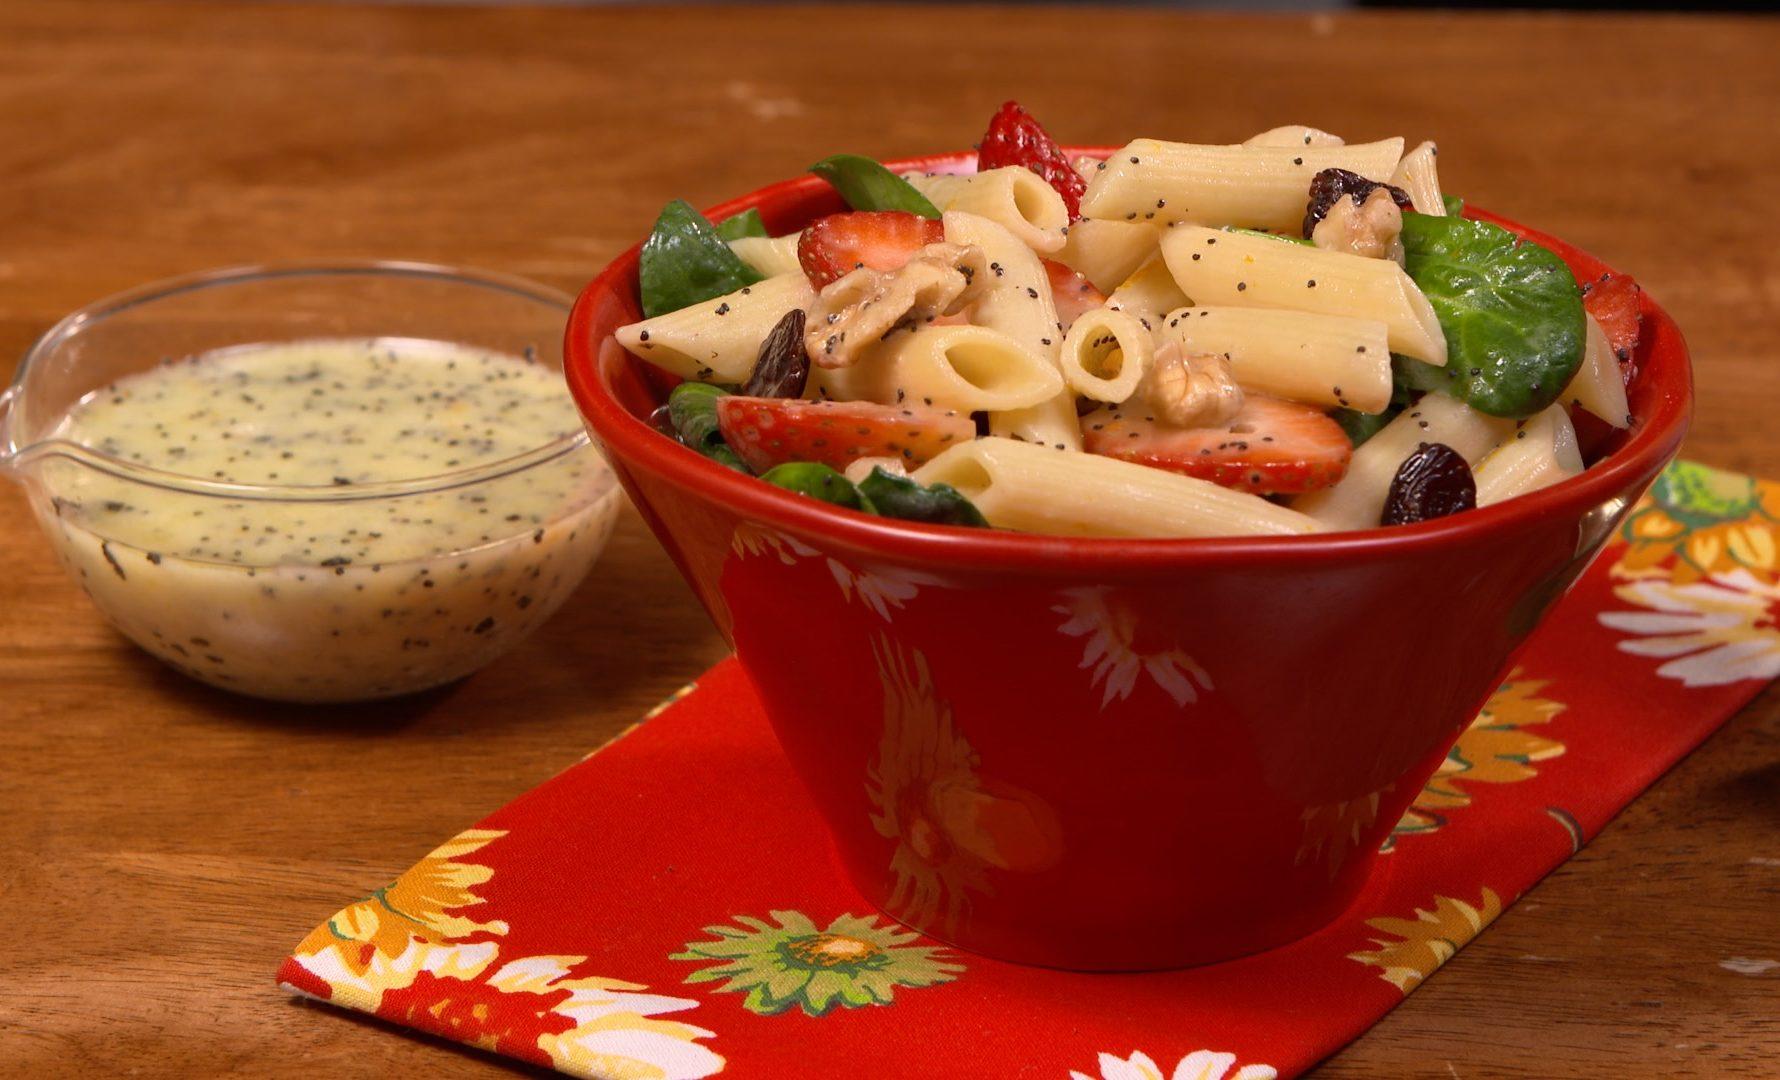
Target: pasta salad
(1291, 335)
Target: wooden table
(161, 845)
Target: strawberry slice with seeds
(833, 247)
(771, 431)
(1016, 138)
(1272, 447)
(1072, 293)
(1615, 302)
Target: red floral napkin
(668, 908)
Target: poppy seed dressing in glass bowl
(328, 518)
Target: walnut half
(857, 311)
(1367, 228)
(1190, 391)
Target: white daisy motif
(1114, 653)
(616, 1033)
(1720, 630)
(879, 590)
(1198, 1065)
(752, 539)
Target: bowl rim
(630, 441)
(17, 457)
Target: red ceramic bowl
(1106, 754)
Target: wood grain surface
(162, 845)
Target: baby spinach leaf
(938, 504)
(818, 481)
(1510, 309)
(1362, 426)
(684, 262)
(867, 185)
(1269, 235)
(1454, 205)
(746, 223)
(729, 459)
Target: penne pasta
(1598, 385)
(1016, 199)
(769, 255)
(718, 340)
(1257, 187)
(1540, 454)
(1215, 267)
(1105, 354)
(1016, 301)
(1418, 177)
(1215, 367)
(1108, 252)
(1016, 296)
(1051, 424)
(967, 368)
(1357, 502)
(1149, 294)
(1294, 135)
(1326, 360)
(1018, 485)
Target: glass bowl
(440, 595)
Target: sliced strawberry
(1614, 301)
(1016, 138)
(1072, 293)
(1271, 447)
(771, 431)
(834, 246)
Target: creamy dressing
(338, 600)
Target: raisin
(1329, 186)
(783, 366)
(1431, 483)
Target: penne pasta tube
(1016, 300)
(718, 340)
(1598, 386)
(1105, 354)
(1019, 485)
(1215, 267)
(769, 255)
(1357, 502)
(1540, 454)
(1256, 187)
(1418, 177)
(967, 368)
(1017, 199)
(1294, 135)
(1108, 252)
(1016, 296)
(1051, 424)
(1149, 294)
(1325, 360)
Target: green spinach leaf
(1362, 426)
(867, 185)
(1270, 235)
(684, 262)
(746, 223)
(818, 481)
(1455, 206)
(939, 504)
(1510, 309)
